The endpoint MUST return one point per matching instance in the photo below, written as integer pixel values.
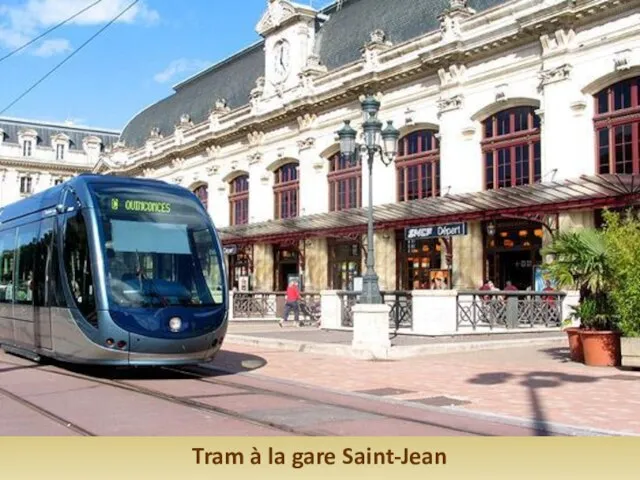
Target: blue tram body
(112, 271)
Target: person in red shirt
(292, 299)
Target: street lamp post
(349, 148)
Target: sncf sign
(449, 230)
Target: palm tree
(580, 261)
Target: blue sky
(132, 64)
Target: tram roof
(50, 197)
(595, 191)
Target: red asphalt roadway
(45, 400)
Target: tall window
(59, 152)
(202, 192)
(617, 125)
(345, 183)
(285, 190)
(25, 185)
(239, 200)
(511, 148)
(418, 166)
(26, 148)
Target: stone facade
(551, 56)
(36, 155)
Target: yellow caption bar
(294, 457)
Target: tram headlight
(175, 324)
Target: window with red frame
(345, 183)
(202, 193)
(418, 166)
(617, 126)
(285, 190)
(511, 148)
(239, 200)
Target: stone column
(316, 265)
(385, 258)
(263, 265)
(468, 255)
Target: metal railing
(400, 316)
(270, 305)
(482, 308)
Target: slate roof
(11, 128)
(339, 41)
(595, 191)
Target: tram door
(43, 284)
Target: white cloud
(177, 67)
(21, 23)
(48, 48)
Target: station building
(37, 155)
(518, 119)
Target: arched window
(418, 166)
(202, 192)
(617, 125)
(285, 190)
(239, 200)
(345, 183)
(511, 148)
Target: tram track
(46, 413)
(126, 386)
(202, 374)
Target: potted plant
(622, 235)
(580, 260)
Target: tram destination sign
(435, 231)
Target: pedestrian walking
(292, 303)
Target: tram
(104, 270)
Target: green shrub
(622, 237)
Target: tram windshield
(159, 251)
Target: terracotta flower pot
(575, 344)
(601, 348)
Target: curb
(393, 353)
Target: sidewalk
(527, 383)
(338, 342)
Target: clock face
(281, 59)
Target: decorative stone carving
(561, 40)
(578, 107)
(178, 180)
(408, 116)
(468, 131)
(119, 146)
(257, 92)
(454, 75)
(556, 74)
(234, 164)
(213, 151)
(177, 163)
(155, 133)
(451, 103)
(451, 18)
(306, 144)
(255, 158)
(255, 138)
(377, 44)
(185, 121)
(306, 121)
(220, 107)
(148, 172)
(622, 60)
(311, 70)
(213, 170)
(501, 93)
(264, 178)
(280, 11)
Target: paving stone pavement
(538, 383)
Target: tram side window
(45, 274)
(209, 262)
(24, 279)
(7, 262)
(77, 263)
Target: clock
(281, 59)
